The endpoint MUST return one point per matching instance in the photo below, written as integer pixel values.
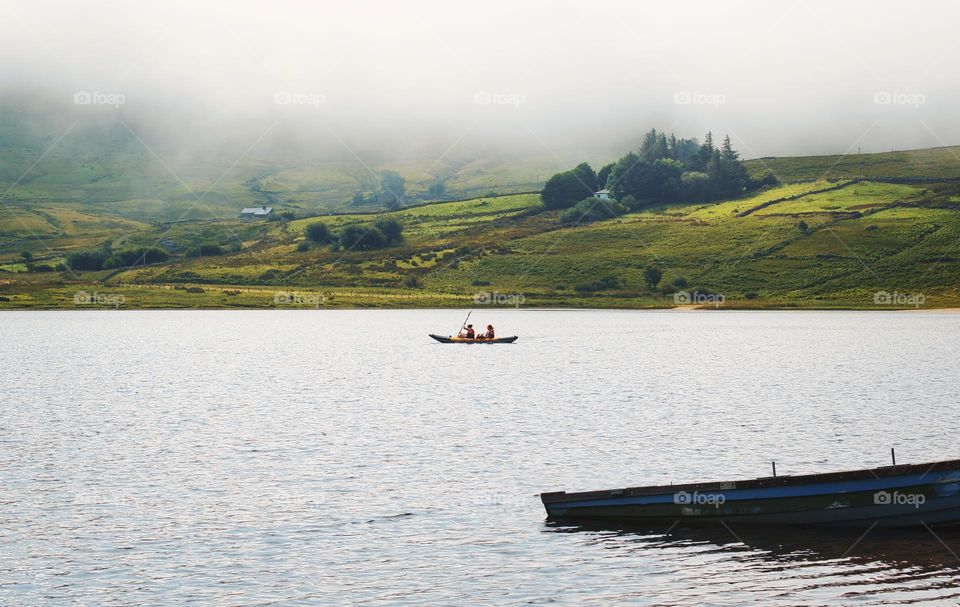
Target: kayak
(464, 340)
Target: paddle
(464, 322)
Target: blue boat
(892, 496)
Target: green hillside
(843, 243)
(927, 163)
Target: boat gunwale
(556, 497)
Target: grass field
(824, 243)
(929, 163)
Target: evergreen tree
(735, 177)
(705, 153)
(602, 175)
(662, 148)
(648, 147)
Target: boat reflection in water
(786, 565)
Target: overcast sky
(782, 78)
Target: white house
(256, 212)
(603, 194)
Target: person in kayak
(468, 333)
(489, 334)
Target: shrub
(135, 256)
(803, 227)
(362, 238)
(205, 250)
(391, 228)
(604, 284)
(750, 295)
(592, 209)
(480, 283)
(195, 290)
(319, 232)
(303, 246)
(680, 282)
(411, 282)
(631, 203)
(86, 260)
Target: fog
(432, 77)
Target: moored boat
(453, 339)
(891, 496)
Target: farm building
(254, 212)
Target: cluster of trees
(665, 169)
(392, 192)
(359, 237)
(206, 249)
(105, 258)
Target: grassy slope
(932, 162)
(862, 237)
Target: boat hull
(896, 496)
(462, 340)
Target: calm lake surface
(342, 457)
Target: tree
(358, 198)
(391, 228)
(734, 175)
(564, 190)
(319, 232)
(803, 227)
(649, 147)
(652, 275)
(393, 191)
(26, 255)
(437, 189)
(588, 179)
(625, 175)
(205, 250)
(705, 153)
(695, 186)
(86, 260)
(362, 238)
(602, 175)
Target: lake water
(342, 457)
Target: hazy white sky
(780, 77)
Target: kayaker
(468, 333)
(489, 334)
